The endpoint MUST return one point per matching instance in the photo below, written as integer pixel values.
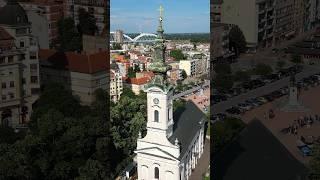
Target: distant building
(94, 44)
(44, 16)
(116, 84)
(82, 73)
(98, 8)
(137, 84)
(119, 36)
(220, 41)
(19, 66)
(189, 66)
(284, 23)
(256, 19)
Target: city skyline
(143, 17)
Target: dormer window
(156, 116)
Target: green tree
(61, 143)
(184, 74)
(223, 82)
(242, 76)
(223, 132)
(137, 68)
(116, 46)
(263, 69)
(177, 54)
(280, 64)
(314, 165)
(237, 40)
(222, 68)
(87, 23)
(68, 37)
(128, 118)
(131, 72)
(295, 58)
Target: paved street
(221, 107)
(207, 83)
(203, 163)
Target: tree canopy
(263, 69)
(69, 39)
(177, 54)
(87, 23)
(66, 141)
(237, 40)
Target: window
(3, 97)
(34, 79)
(168, 114)
(156, 173)
(2, 60)
(10, 59)
(3, 85)
(11, 95)
(11, 83)
(156, 116)
(21, 44)
(33, 55)
(34, 67)
(35, 91)
(23, 81)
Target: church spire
(158, 66)
(160, 30)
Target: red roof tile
(4, 35)
(76, 62)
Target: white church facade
(173, 144)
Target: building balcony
(11, 102)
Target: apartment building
(311, 15)
(19, 66)
(285, 20)
(215, 9)
(220, 41)
(98, 8)
(256, 19)
(49, 11)
(189, 66)
(82, 73)
(116, 84)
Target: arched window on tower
(156, 173)
(156, 116)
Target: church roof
(186, 125)
(13, 14)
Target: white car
(244, 106)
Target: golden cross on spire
(161, 11)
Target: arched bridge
(141, 38)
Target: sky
(180, 16)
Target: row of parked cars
(249, 104)
(253, 84)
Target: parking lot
(266, 91)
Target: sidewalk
(203, 163)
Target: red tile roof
(75, 62)
(138, 81)
(4, 35)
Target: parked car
(234, 110)
(244, 106)
(262, 99)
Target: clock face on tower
(156, 100)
